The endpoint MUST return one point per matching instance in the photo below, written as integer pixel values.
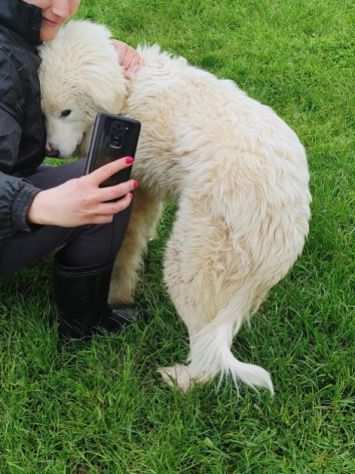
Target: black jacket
(22, 130)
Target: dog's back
(199, 126)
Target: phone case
(113, 137)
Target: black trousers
(82, 248)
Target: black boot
(81, 298)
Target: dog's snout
(51, 151)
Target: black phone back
(113, 137)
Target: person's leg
(82, 247)
(82, 276)
(25, 248)
(84, 256)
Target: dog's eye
(65, 113)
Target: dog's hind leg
(212, 299)
(144, 218)
(210, 351)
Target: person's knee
(50, 176)
(95, 245)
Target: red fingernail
(129, 160)
(135, 184)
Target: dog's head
(80, 76)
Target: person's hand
(128, 58)
(81, 201)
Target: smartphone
(113, 137)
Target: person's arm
(16, 195)
(77, 202)
(82, 201)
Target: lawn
(101, 407)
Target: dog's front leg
(144, 218)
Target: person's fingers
(104, 172)
(135, 62)
(111, 208)
(120, 47)
(111, 193)
(101, 220)
(124, 53)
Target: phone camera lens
(118, 131)
(116, 141)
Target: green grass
(101, 407)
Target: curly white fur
(238, 172)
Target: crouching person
(46, 210)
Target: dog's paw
(120, 295)
(178, 375)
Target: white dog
(237, 171)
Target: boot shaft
(81, 298)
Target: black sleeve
(16, 195)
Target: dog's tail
(211, 353)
